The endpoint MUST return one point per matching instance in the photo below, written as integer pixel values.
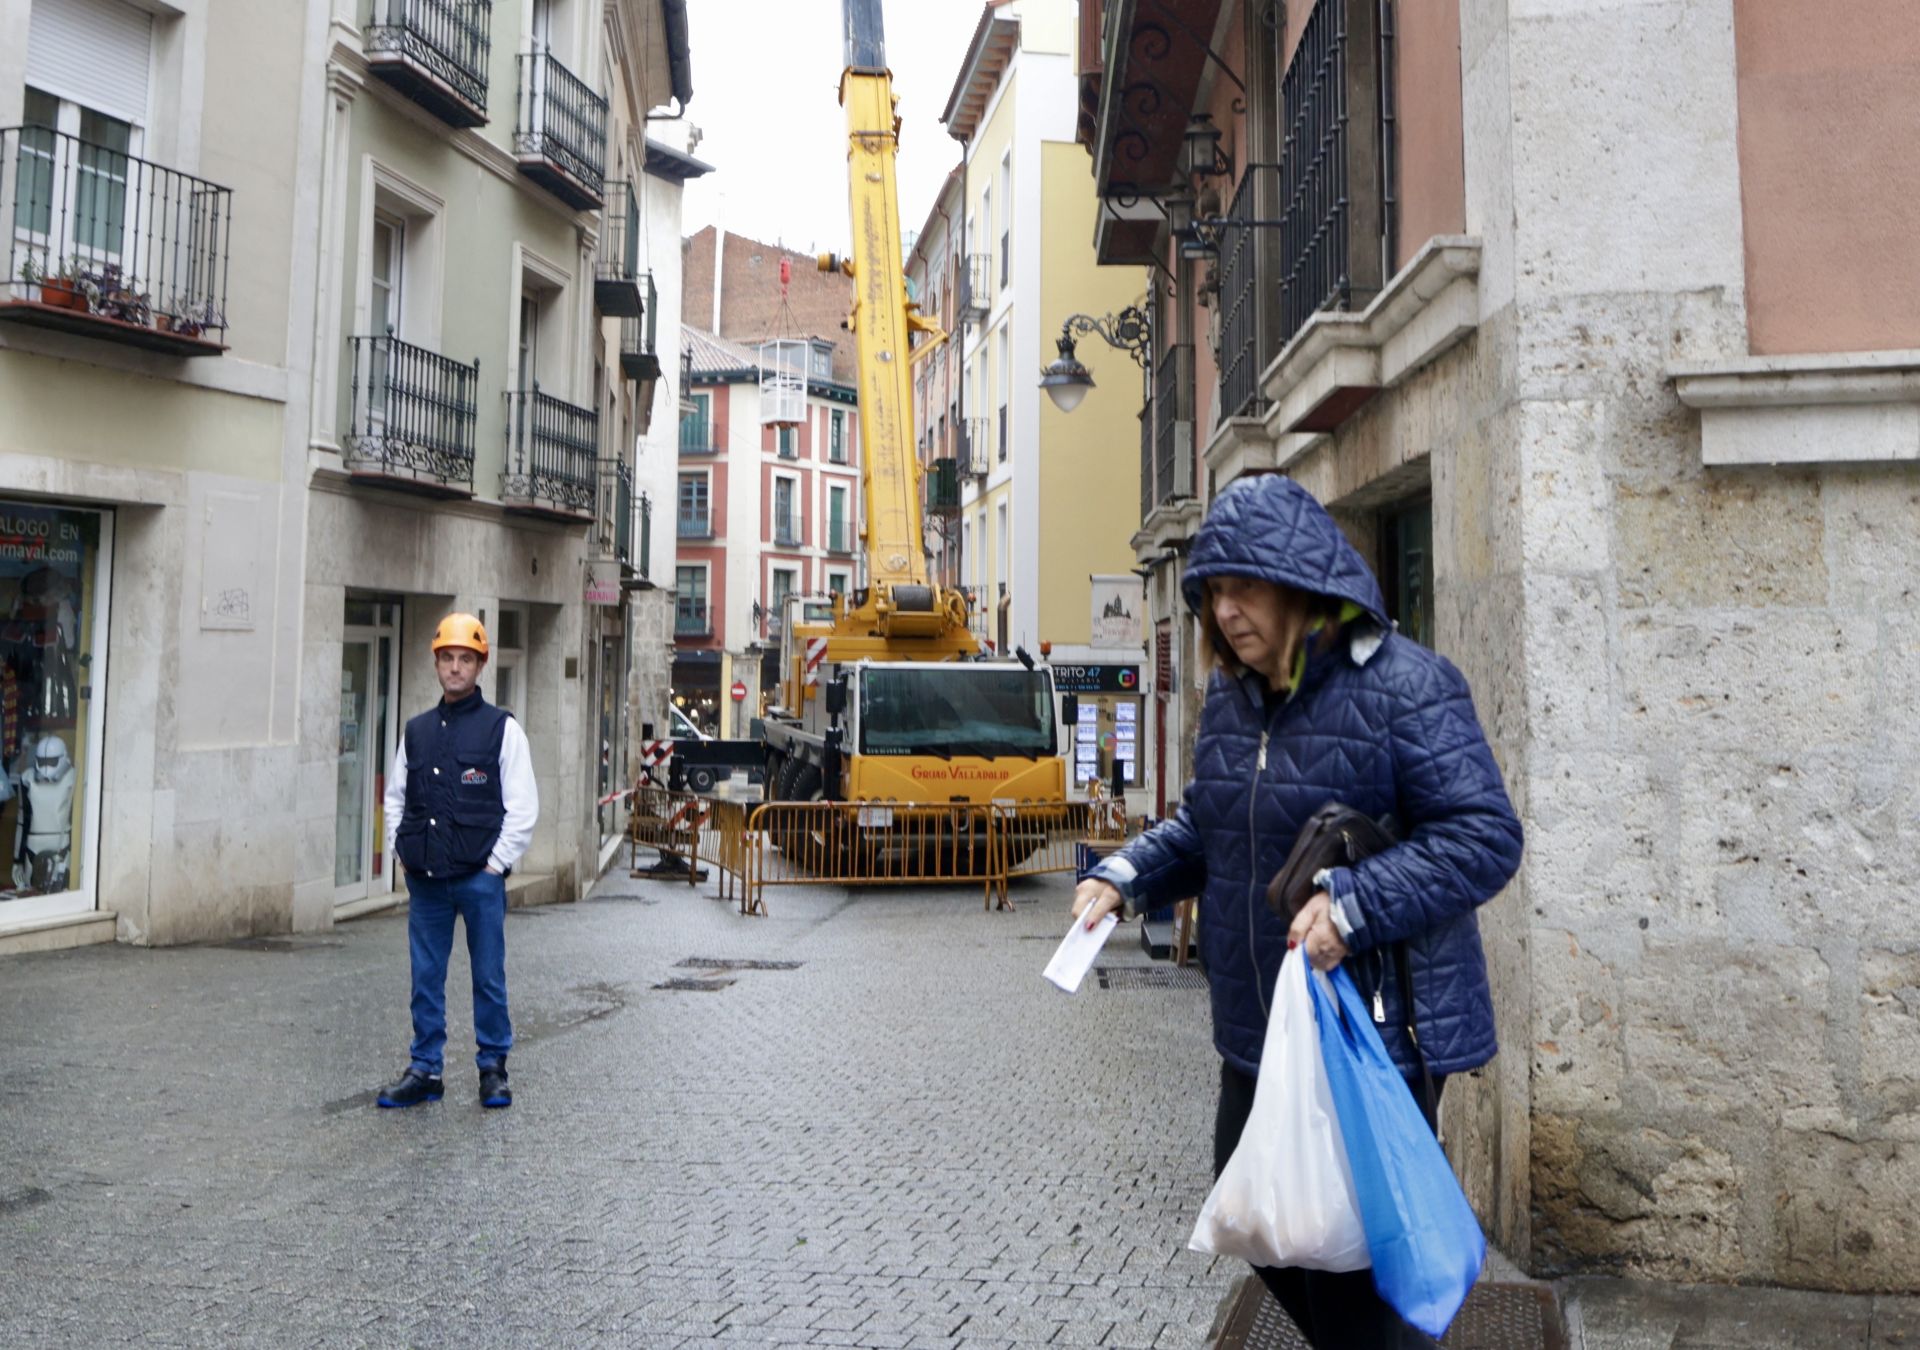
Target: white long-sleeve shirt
(518, 793)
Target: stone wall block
(1570, 671)
(1723, 540)
(1565, 496)
(1592, 864)
(1716, 680)
(1578, 1051)
(1872, 534)
(1890, 1041)
(1625, 176)
(1739, 1034)
(1636, 1200)
(1850, 1218)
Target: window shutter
(94, 52)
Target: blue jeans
(481, 902)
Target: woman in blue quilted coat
(1317, 699)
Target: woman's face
(1257, 620)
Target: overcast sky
(766, 78)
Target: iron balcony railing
(1249, 314)
(643, 563)
(105, 243)
(616, 512)
(695, 524)
(561, 137)
(786, 532)
(976, 286)
(414, 413)
(639, 335)
(553, 452)
(1331, 200)
(1173, 424)
(690, 617)
(696, 435)
(616, 266)
(839, 537)
(434, 52)
(975, 438)
(687, 404)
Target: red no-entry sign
(739, 692)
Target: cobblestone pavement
(908, 1140)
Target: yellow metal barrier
(1034, 839)
(867, 844)
(757, 845)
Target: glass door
(368, 736)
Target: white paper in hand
(1076, 952)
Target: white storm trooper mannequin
(43, 836)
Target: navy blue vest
(454, 804)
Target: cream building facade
(1043, 512)
(316, 321)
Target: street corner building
(1594, 325)
(313, 328)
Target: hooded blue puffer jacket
(1379, 723)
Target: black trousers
(1335, 1310)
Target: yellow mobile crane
(888, 700)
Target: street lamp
(1067, 380)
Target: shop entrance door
(369, 733)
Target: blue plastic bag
(1426, 1244)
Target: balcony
(434, 52)
(413, 418)
(696, 435)
(639, 336)
(614, 539)
(687, 404)
(643, 561)
(976, 287)
(975, 436)
(1249, 309)
(943, 487)
(553, 453)
(690, 618)
(786, 532)
(695, 524)
(112, 247)
(839, 537)
(1173, 424)
(561, 139)
(616, 266)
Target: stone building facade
(1614, 380)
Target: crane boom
(899, 601)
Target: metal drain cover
(693, 986)
(1149, 977)
(733, 963)
(1496, 1317)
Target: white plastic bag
(1286, 1197)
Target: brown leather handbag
(1334, 836)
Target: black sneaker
(494, 1091)
(412, 1088)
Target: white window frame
(705, 570)
(385, 192)
(706, 479)
(1006, 219)
(792, 480)
(510, 659)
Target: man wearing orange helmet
(460, 808)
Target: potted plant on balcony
(190, 318)
(108, 294)
(59, 290)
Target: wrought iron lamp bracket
(1130, 331)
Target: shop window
(1406, 568)
(53, 578)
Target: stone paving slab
(910, 1139)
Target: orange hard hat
(461, 630)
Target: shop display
(48, 581)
